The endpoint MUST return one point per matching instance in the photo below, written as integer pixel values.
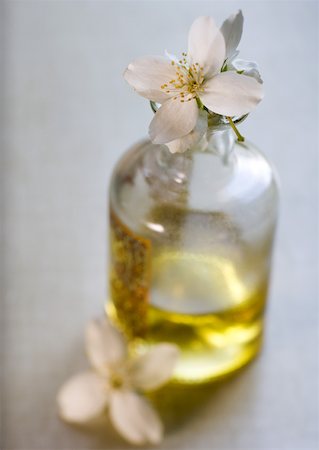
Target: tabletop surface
(68, 117)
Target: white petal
(191, 139)
(154, 368)
(231, 94)
(173, 120)
(147, 74)
(231, 58)
(206, 45)
(105, 345)
(250, 68)
(82, 398)
(134, 418)
(232, 30)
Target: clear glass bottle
(191, 239)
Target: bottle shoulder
(149, 181)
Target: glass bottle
(191, 238)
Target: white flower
(232, 30)
(115, 382)
(195, 79)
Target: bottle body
(191, 242)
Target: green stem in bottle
(199, 103)
(240, 138)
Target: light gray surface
(69, 116)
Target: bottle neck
(173, 173)
(220, 141)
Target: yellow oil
(203, 303)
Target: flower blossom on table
(205, 80)
(116, 383)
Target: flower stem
(199, 103)
(240, 138)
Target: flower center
(188, 81)
(116, 381)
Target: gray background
(68, 116)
